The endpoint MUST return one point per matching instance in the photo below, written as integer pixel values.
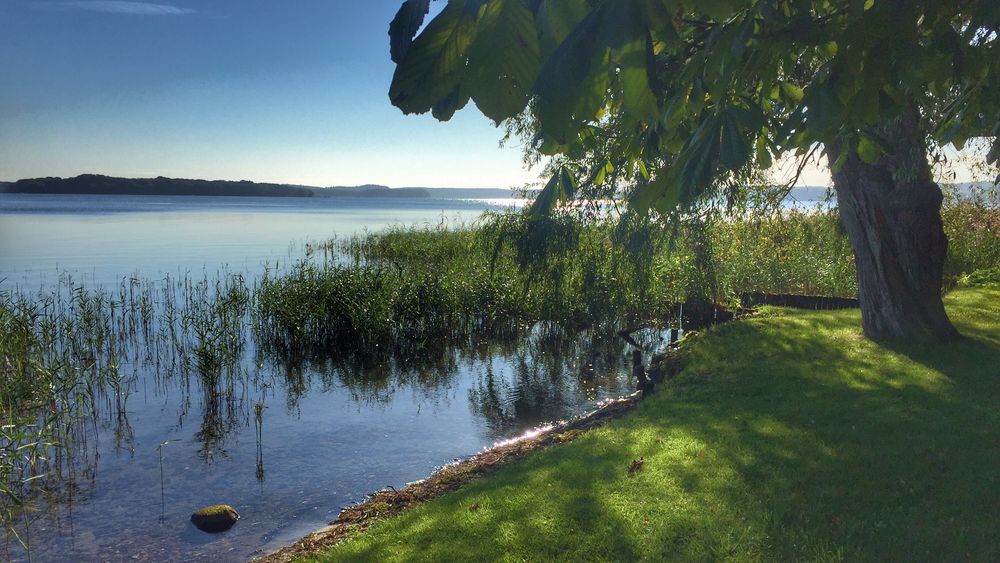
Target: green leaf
(792, 93)
(562, 82)
(719, 10)
(868, 149)
(506, 59)
(445, 109)
(825, 116)
(572, 85)
(563, 118)
(557, 18)
(548, 146)
(561, 187)
(643, 171)
(700, 159)
(637, 97)
(659, 13)
(696, 97)
(677, 109)
(602, 171)
(661, 194)
(435, 63)
(829, 49)
(404, 26)
(763, 154)
(736, 146)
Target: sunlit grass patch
(787, 437)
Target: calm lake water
(331, 430)
(103, 239)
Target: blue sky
(267, 90)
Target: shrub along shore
(787, 437)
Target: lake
(291, 442)
(105, 238)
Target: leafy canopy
(671, 96)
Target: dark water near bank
(331, 429)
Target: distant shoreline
(95, 184)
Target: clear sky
(267, 90)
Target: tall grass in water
(798, 252)
(37, 403)
(71, 357)
(413, 288)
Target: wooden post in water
(643, 383)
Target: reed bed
(413, 288)
(410, 288)
(71, 357)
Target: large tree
(675, 98)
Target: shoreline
(387, 503)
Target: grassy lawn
(788, 437)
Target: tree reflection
(545, 372)
(548, 378)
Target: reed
(413, 288)
(72, 356)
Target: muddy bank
(390, 502)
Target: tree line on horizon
(109, 185)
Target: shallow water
(331, 429)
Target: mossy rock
(216, 518)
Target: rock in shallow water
(216, 518)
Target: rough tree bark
(891, 210)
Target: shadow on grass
(787, 437)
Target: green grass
(787, 437)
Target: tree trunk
(891, 210)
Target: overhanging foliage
(670, 96)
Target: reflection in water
(216, 423)
(550, 371)
(136, 421)
(350, 424)
(542, 374)
(371, 379)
